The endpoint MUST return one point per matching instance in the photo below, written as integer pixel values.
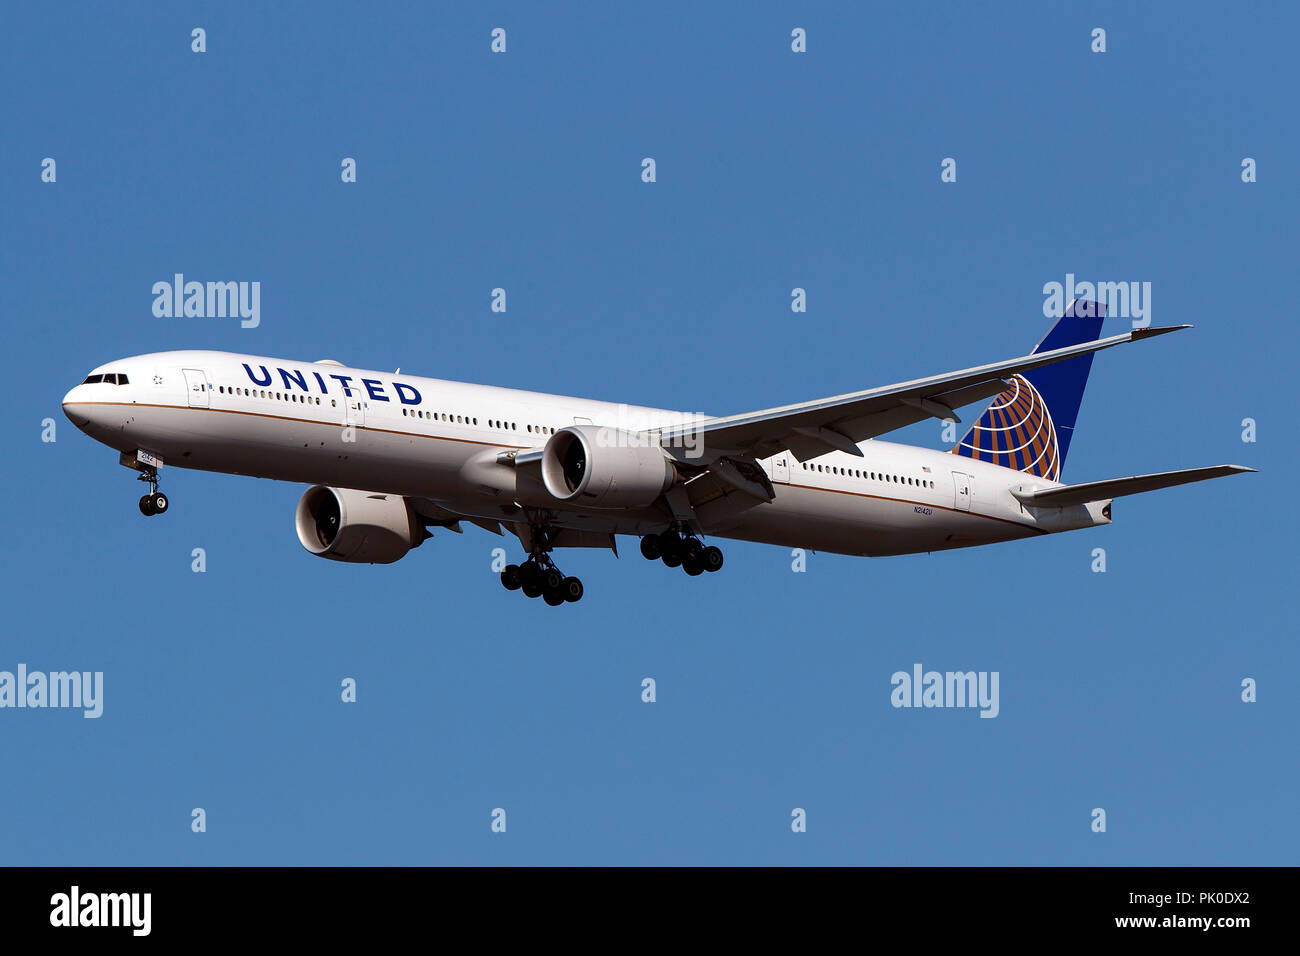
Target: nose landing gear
(154, 503)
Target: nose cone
(75, 406)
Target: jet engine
(359, 527)
(605, 467)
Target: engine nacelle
(605, 468)
(356, 526)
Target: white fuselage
(394, 433)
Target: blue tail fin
(1028, 427)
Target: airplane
(389, 456)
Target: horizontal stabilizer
(1117, 487)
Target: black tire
(673, 559)
(670, 542)
(159, 502)
(650, 549)
(712, 558)
(693, 566)
(553, 598)
(572, 590)
(511, 579)
(692, 551)
(146, 505)
(529, 574)
(552, 579)
(532, 589)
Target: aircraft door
(355, 411)
(196, 387)
(780, 468)
(962, 490)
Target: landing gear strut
(539, 577)
(154, 503)
(684, 551)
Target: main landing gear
(685, 551)
(154, 503)
(539, 577)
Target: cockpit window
(121, 379)
(93, 380)
(110, 378)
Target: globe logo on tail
(1016, 431)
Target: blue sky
(775, 170)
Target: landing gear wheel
(711, 558)
(537, 576)
(650, 549)
(692, 549)
(154, 503)
(693, 566)
(672, 559)
(670, 542)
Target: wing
(811, 429)
(1067, 495)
